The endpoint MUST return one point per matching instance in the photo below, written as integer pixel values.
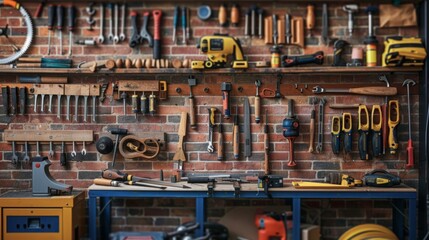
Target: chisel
(247, 132)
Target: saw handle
(114, 174)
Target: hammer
(118, 132)
(350, 9)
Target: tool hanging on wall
(119, 132)
(325, 24)
(310, 19)
(220, 143)
(320, 130)
(363, 129)
(312, 101)
(138, 37)
(180, 153)
(60, 20)
(350, 9)
(223, 22)
(410, 148)
(157, 17)
(71, 16)
(192, 81)
(266, 146)
(236, 135)
(51, 19)
(393, 122)
(211, 126)
(374, 90)
(336, 133)
(347, 130)
(257, 102)
(91, 12)
(175, 23)
(247, 129)
(401, 51)
(291, 131)
(377, 137)
(226, 88)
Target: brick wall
(162, 214)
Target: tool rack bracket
(49, 136)
(138, 86)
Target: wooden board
(47, 89)
(48, 135)
(76, 89)
(138, 86)
(94, 90)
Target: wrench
(73, 153)
(100, 38)
(68, 108)
(37, 149)
(14, 156)
(210, 147)
(26, 157)
(50, 103)
(42, 104)
(111, 22)
(59, 107)
(116, 37)
(83, 152)
(319, 146)
(85, 107)
(51, 150)
(122, 35)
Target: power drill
(291, 131)
(271, 226)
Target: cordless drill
(291, 131)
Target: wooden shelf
(134, 71)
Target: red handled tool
(157, 14)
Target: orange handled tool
(226, 89)
(157, 14)
(311, 19)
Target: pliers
(137, 38)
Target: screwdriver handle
(22, 100)
(348, 141)
(63, 156)
(157, 14)
(135, 103)
(152, 103)
(192, 112)
(377, 147)
(310, 20)
(257, 109)
(51, 16)
(235, 15)
(212, 112)
(39, 9)
(71, 13)
(184, 17)
(220, 149)
(144, 106)
(60, 17)
(222, 15)
(176, 16)
(106, 182)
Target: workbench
(401, 196)
(24, 216)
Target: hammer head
(350, 8)
(408, 82)
(383, 78)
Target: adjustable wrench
(319, 146)
(111, 22)
(116, 37)
(14, 156)
(100, 38)
(212, 112)
(122, 35)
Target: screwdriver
(60, 20)
(51, 19)
(71, 19)
(184, 22)
(175, 23)
(135, 104)
(152, 104)
(144, 104)
(236, 135)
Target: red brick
(219, 166)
